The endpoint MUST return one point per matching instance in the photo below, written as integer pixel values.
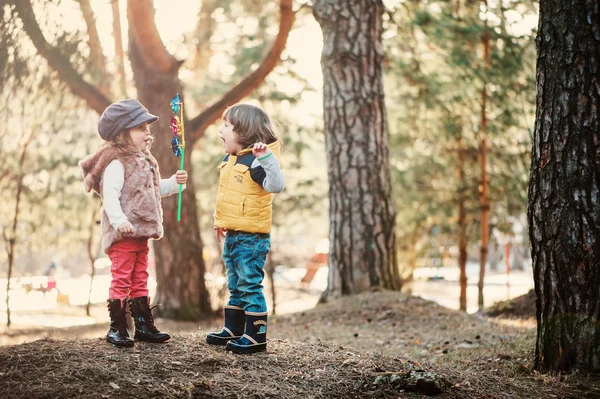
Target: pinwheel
(178, 140)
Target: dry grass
(363, 346)
(187, 367)
(480, 357)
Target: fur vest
(140, 196)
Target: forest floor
(372, 345)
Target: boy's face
(140, 136)
(229, 137)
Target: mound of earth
(372, 345)
(521, 307)
(188, 367)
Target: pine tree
(362, 236)
(564, 212)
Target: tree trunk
(10, 251)
(484, 187)
(462, 226)
(92, 258)
(564, 205)
(11, 239)
(362, 239)
(180, 268)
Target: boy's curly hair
(251, 123)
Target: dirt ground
(373, 345)
(522, 307)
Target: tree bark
(484, 184)
(362, 236)
(119, 54)
(462, 225)
(142, 26)
(181, 289)
(97, 58)
(564, 186)
(92, 257)
(11, 241)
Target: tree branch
(57, 61)
(142, 26)
(204, 31)
(119, 54)
(198, 125)
(97, 58)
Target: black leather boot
(255, 335)
(144, 322)
(117, 332)
(233, 328)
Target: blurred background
(435, 58)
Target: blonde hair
(123, 143)
(251, 123)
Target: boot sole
(121, 344)
(219, 341)
(153, 341)
(246, 350)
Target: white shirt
(113, 179)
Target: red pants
(129, 268)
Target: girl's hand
(126, 229)
(220, 233)
(260, 150)
(181, 177)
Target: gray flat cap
(122, 115)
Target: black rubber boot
(117, 332)
(255, 336)
(233, 326)
(144, 322)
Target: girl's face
(140, 136)
(229, 137)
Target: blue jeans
(244, 255)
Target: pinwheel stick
(182, 160)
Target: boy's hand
(181, 177)
(220, 233)
(126, 229)
(260, 150)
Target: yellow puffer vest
(243, 204)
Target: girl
(250, 172)
(126, 176)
